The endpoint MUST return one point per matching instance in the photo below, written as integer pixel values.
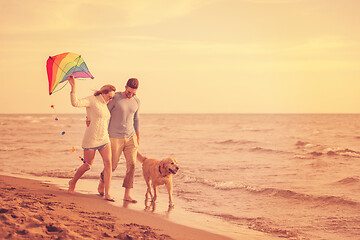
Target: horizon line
(209, 113)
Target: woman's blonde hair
(105, 89)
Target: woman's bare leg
(106, 156)
(89, 159)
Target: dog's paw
(171, 205)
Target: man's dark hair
(133, 83)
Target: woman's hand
(71, 80)
(72, 83)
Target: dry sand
(31, 209)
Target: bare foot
(101, 188)
(71, 187)
(109, 198)
(129, 199)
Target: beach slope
(34, 210)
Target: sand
(31, 209)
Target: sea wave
(327, 199)
(229, 185)
(349, 180)
(69, 174)
(259, 224)
(59, 174)
(267, 150)
(234, 142)
(305, 144)
(298, 156)
(272, 192)
(343, 152)
(9, 149)
(316, 150)
(257, 129)
(260, 149)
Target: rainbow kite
(61, 66)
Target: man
(124, 134)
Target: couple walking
(113, 128)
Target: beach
(31, 209)
(242, 176)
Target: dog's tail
(140, 157)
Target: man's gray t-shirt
(124, 121)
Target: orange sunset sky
(191, 56)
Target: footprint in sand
(3, 210)
(23, 232)
(52, 229)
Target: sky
(190, 56)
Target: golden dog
(157, 173)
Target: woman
(96, 135)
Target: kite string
(63, 133)
(66, 84)
(60, 88)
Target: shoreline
(36, 209)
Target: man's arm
(138, 137)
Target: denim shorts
(96, 148)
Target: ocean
(292, 176)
